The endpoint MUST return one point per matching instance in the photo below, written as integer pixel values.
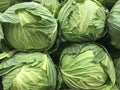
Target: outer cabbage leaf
(82, 20)
(87, 66)
(29, 28)
(28, 71)
(3, 45)
(113, 24)
(7, 54)
(115, 55)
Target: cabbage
(82, 20)
(29, 26)
(114, 25)
(87, 67)
(28, 71)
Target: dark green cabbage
(114, 25)
(108, 3)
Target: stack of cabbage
(27, 28)
(58, 45)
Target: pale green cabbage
(28, 71)
(29, 26)
(87, 67)
(82, 20)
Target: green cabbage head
(28, 71)
(114, 25)
(82, 20)
(29, 26)
(87, 67)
